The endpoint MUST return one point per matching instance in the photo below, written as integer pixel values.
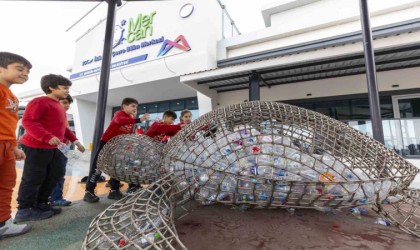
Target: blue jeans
(57, 193)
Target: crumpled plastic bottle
(291, 210)
(382, 221)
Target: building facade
(182, 55)
(311, 55)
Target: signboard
(135, 41)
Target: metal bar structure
(104, 78)
(374, 105)
(254, 87)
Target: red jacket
(121, 124)
(43, 119)
(158, 130)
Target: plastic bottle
(267, 149)
(382, 221)
(326, 210)
(355, 211)
(362, 210)
(310, 175)
(253, 170)
(391, 200)
(228, 184)
(263, 196)
(63, 148)
(265, 171)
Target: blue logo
(119, 34)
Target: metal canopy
(387, 59)
(399, 57)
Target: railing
(402, 135)
(229, 27)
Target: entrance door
(407, 114)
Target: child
(186, 117)
(56, 198)
(45, 123)
(165, 127)
(122, 123)
(14, 69)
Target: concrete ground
(221, 227)
(62, 231)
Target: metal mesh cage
(403, 210)
(131, 158)
(257, 154)
(142, 221)
(277, 155)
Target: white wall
(84, 114)
(202, 30)
(405, 78)
(333, 12)
(314, 21)
(204, 103)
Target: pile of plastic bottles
(131, 158)
(267, 167)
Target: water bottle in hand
(63, 148)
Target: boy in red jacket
(185, 118)
(45, 123)
(14, 69)
(122, 123)
(165, 127)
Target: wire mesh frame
(404, 212)
(142, 221)
(131, 158)
(272, 154)
(300, 130)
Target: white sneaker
(11, 229)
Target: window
(348, 109)
(178, 105)
(191, 103)
(156, 109)
(163, 106)
(141, 109)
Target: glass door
(407, 111)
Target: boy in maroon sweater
(45, 123)
(165, 127)
(122, 123)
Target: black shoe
(133, 190)
(101, 179)
(115, 195)
(90, 197)
(30, 214)
(108, 185)
(48, 207)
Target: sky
(37, 31)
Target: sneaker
(30, 214)
(61, 203)
(115, 195)
(133, 190)
(10, 229)
(90, 197)
(108, 185)
(48, 207)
